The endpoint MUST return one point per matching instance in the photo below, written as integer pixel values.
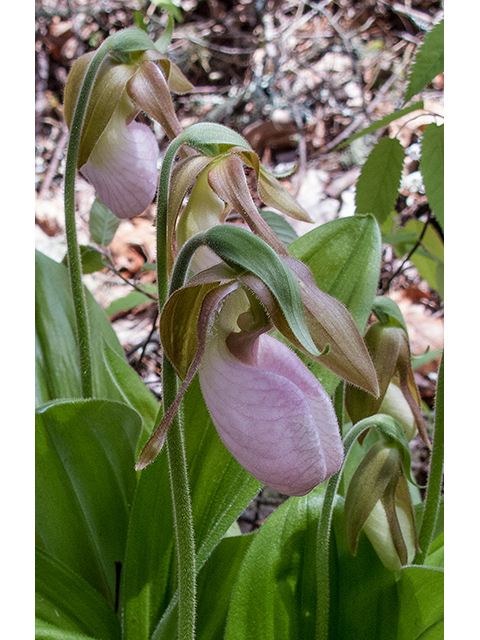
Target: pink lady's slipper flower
(271, 412)
(123, 166)
(117, 154)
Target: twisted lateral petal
(123, 167)
(272, 414)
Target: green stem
(386, 425)
(74, 261)
(175, 444)
(434, 487)
(182, 509)
(162, 213)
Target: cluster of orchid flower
(231, 285)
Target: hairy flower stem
(74, 261)
(122, 43)
(434, 487)
(175, 443)
(182, 509)
(383, 423)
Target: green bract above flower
(118, 155)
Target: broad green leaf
(57, 361)
(102, 223)
(274, 596)
(377, 186)
(215, 584)
(344, 257)
(85, 482)
(220, 489)
(420, 594)
(66, 601)
(428, 61)
(431, 166)
(214, 590)
(282, 227)
(382, 123)
(126, 386)
(435, 556)
(363, 599)
(46, 631)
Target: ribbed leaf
(85, 482)
(220, 490)
(57, 361)
(126, 386)
(46, 631)
(66, 601)
(377, 186)
(420, 593)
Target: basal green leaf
(431, 166)
(428, 61)
(215, 583)
(377, 186)
(85, 482)
(66, 601)
(220, 490)
(274, 596)
(57, 361)
(420, 594)
(102, 223)
(127, 386)
(46, 631)
(358, 611)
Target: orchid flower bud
(378, 502)
(399, 397)
(395, 404)
(118, 155)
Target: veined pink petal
(123, 167)
(272, 414)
